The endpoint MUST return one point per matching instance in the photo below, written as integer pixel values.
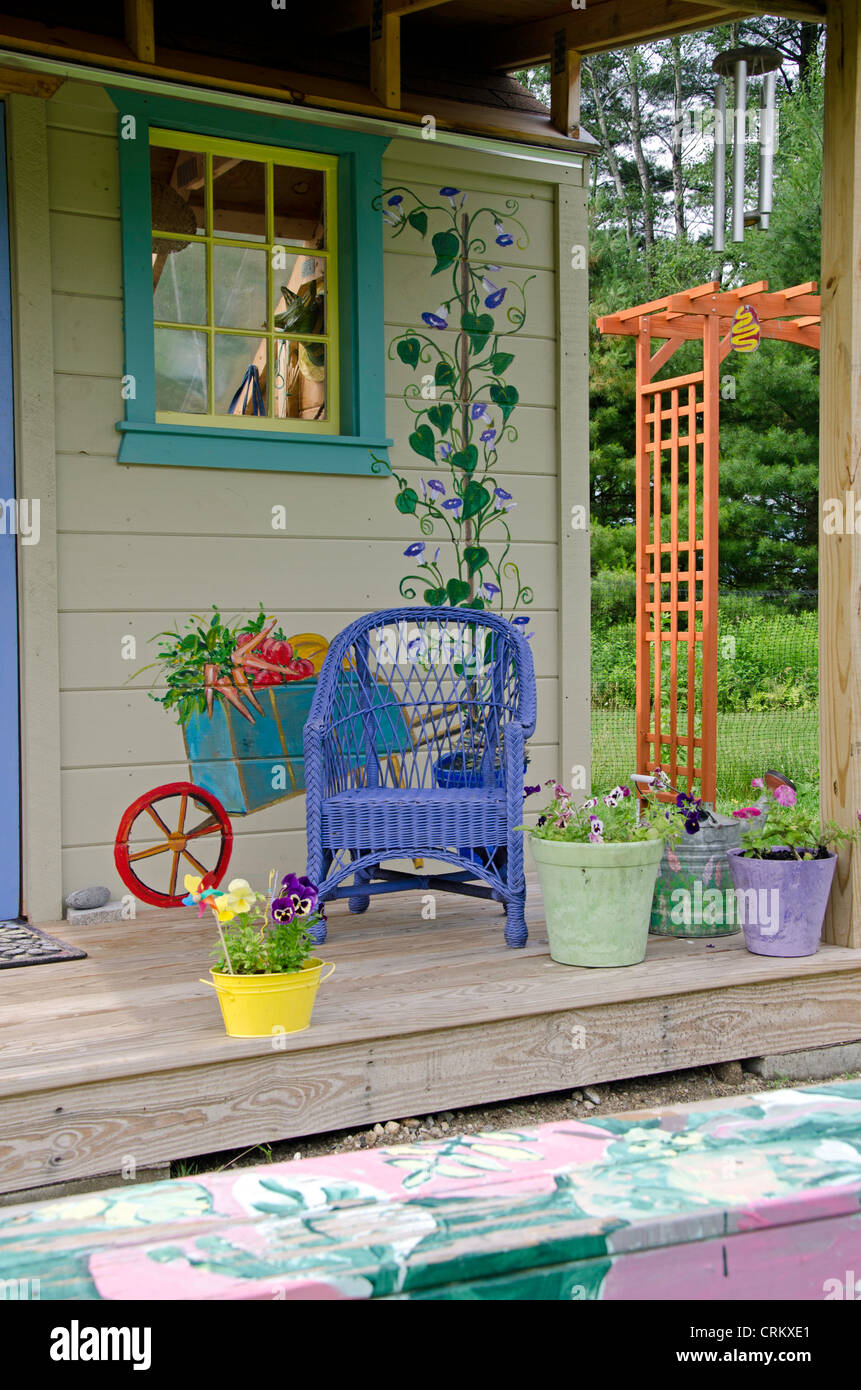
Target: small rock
(295, 1156)
(447, 1115)
(593, 1095)
(444, 1124)
(391, 1127)
(589, 1104)
(576, 1096)
(411, 1124)
(731, 1072)
(378, 1129)
(434, 1132)
(85, 898)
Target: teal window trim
(360, 273)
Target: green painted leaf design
(419, 220)
(446, 248)
(475, 603)
(407, 500)
(444, 374)
(465, 458)
(409, 350)
(457, 590)
(506, 397)
(475, 556)
(500, 362)
(440, 416)
(479, 327)
(422, 442)
(435, 598)
(475, 496)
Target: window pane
(180, 370)
(177, 191)
(239, 287)
(238, 198)
(179, 283)
(300, 381)
(299, 206)
(299, 296)
(234, 356)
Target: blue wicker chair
(414, 748)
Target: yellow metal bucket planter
(263, 1006)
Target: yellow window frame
(269, 156)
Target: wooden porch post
(840, 455)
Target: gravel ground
(641, 1093)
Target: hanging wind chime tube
(740, 64)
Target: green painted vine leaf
(407, 500)
(422, 442)
(506, 397)
(479, 327)
(440, 416)
(446, 248)
(409, 350)
(435, 598)
(444, 374)
(475, 496)
(500, 362)
(475, 603)
(465, 458)
(476, 556)
(419, 220)
(457, 590)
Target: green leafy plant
(260, 934)
(463, 407)
(614, 818)
(785, 829)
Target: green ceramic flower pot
(597, 899)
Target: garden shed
(222, 252)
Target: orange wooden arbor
(677, 550)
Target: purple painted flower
(437, 320)
(396, 200)
(495, 295)
(501, 495)
(444, 450)
(521, 621)
(451, 194)
(436, 554)
(503, 237)
(488, 436)
(492, 589)
(415, 549)
(478, 411)
(453, 503)
(437, 486)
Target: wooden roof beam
(564, 85)
(140, 29)
(605, 26)
(385, 17)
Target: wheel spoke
(147, 853)
(173, 873)
(206, 827)
(196, 862)
(158, 820)
(183, 805)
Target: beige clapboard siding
(91, 644)
(129, 502)
(141, 547)
(409, 292)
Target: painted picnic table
(754, 1198)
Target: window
(244, 283)
(253, 290)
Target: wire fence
(767, 686)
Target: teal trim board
(360, 277)
(10, 824)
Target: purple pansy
(300, 892)
(530, 791)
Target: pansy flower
(301, 892)
(530, 791)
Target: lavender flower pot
(784, 902)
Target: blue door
(10, 792)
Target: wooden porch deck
(122, 1057)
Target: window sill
(185, 446)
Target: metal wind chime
(740, 64)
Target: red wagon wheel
(145, 836)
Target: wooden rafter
(603, 26)
(140, 29)
(385, 21)
(565, 85)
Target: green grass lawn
(747, 744)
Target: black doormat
(21, 944)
